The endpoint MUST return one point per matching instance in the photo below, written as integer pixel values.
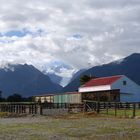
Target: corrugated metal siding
(75, 98)
(54, 99)
(59, 98)
(67, 98)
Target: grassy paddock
(70, 127)
(121, 113)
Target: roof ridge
(107, 77)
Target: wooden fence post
(134, 109)
(35, 107)
(139, 105)
(83, 107)
(98, 107)
(115, 109)
(107, 108)
(41, 110)
(84, 110)
(95, 106)
(29, 109)
(92, 107)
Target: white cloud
(107, 30)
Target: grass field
(71, 127)
(121, 113)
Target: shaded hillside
(55, 78)
(77, 74)
(129, 66)
(25, 80)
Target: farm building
(69, 97)
(112, 89)
(44, 98)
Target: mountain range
(27, 80)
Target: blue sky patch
(77, 36)
(16, 33)
(21, 33)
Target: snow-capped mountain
(59, 72)
(25, 80)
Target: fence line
(105, 107)
(38, 108)
(100, 107)
(20, 108)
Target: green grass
(3, 114)
(72, 127)
(121, 113)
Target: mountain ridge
(26, 80)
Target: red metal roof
(102, 81)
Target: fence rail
(20, 108)
(115, 107)
(42, 108)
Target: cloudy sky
(76, 32)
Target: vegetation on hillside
(85, 78)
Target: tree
(15, 98)
(1, 98)
(18, 98)
(0, 94)
(85, 78)
(29, 99)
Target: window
(124, 83)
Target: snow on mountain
(59, 69)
